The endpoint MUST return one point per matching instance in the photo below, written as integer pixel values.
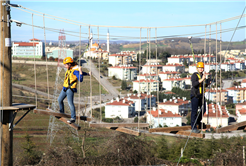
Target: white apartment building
(122, 108)
(168, 74)
(145, 85)
(216, 95)
(142, 101)
(216, 119)
(133, 54)
(151, 68)
(237, 94)
(169, 84)
(243, 83)
(28, 49)
(240, 64)
(177, 67)
(123, 72)
(147, 76)
(176, 105)
(119, 59)
(165, 117)
(228, 66)
(241, 115)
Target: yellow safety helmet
(67, 60)
(200, 65)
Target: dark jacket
(195, 85)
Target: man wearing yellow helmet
(72, 75)
(197, 96)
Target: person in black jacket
(197, 96)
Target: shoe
(71, 121)
(195, 131)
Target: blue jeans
(195, 103)
(69, 94)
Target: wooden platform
(15, 108)
(174, 129)
(57, 114)
(106, 125)
(18, 107)
(62, 117)
(170, 129)
(187, 133)
(125, 130)
(232, 127)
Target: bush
(30, 156)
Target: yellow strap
(200, 84)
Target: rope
(78, 23)
(35, 77)
(90, 71)
(100, 88)
(220, 74)
(139, 90)
(79, 74)
(47, 70)
(157, 75)
(130, 37)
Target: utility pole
(6, 86)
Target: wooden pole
(6, 86)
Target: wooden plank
(187, 133)
(125, 130)
(73, 125)
(128, 131)
(17, 107)
(84, 118)
(97, 125)
(57, 114)
(170, 129)
(231, 127)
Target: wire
(77, 23)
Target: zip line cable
(198, 34)
(79, 23)
(212, 81)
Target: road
(104, 82)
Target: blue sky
(126, 13)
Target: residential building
(148, 85)
(240, 64)
(28, 49)
(151, 68)
(177, 67)
(147, 76)
(123, 72)
(216, 95)
(133, 54)
(142, 101)
(169, 84)
(168, 74)
(96, 52)
(119, 59)
(216, 119)
(176, 105)
(163, 117)
(237, 93)
(241, 115)
(56, 52)
(228, 66)
(122, 108)
(243, 83)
